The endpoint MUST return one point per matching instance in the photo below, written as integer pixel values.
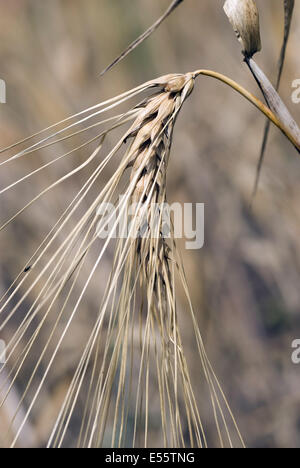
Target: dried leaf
(274, 101)
(288, 15)
(244, 17)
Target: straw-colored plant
(137, 334)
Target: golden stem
(254, 100)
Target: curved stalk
(254, 100)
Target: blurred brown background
(245, 282)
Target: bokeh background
(245, 282)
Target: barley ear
(244, 17)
